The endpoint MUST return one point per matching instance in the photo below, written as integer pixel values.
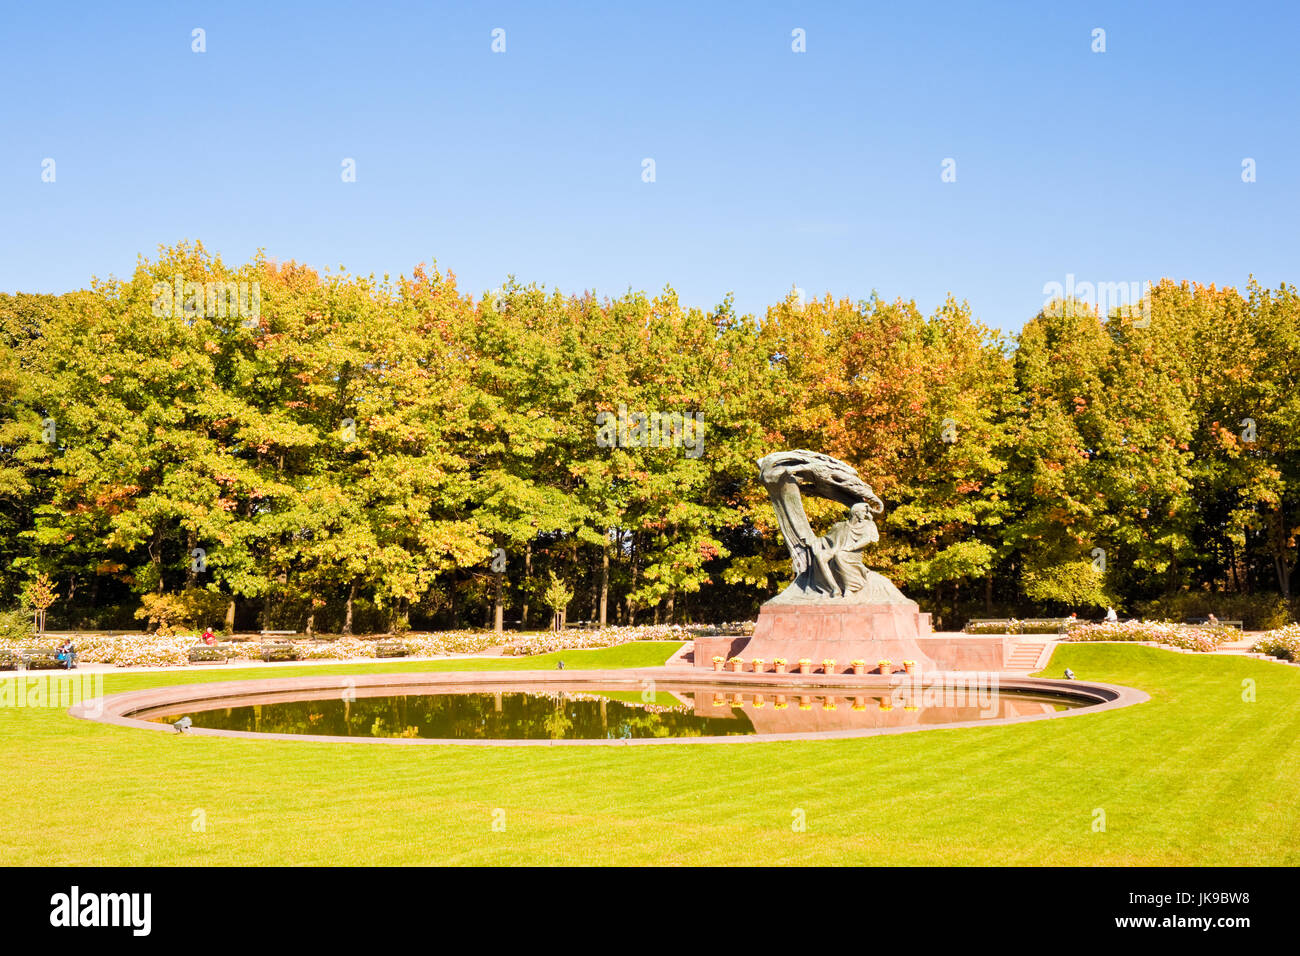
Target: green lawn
(1194, 776)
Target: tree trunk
(604, 582)
(347, 614)
(191, 576)
(528, 576)
(631, 611)
(988, 594)
(155, 555)
(671, 610)
(573, 561)
(230, 615)
(1277, 533)
(498, 608)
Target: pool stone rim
(116, 709)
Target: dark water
(606, 714)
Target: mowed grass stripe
(1195, 776)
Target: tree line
(266, 445)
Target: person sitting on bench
(66, 654)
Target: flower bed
(545, 642)
(449, 642)
(733, 629)
(1190, 637)
(134, 650)
(154, 650)
(1040, 625)
(1283, 642)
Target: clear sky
(773, 169)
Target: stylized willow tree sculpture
(829, 567)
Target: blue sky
(773, 169)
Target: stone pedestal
(845, 632)
(706, 648)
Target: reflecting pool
(586, 712)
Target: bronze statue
(828, 568)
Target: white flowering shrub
(1191, 637)
(1283, 642)
(544, 642)
(156, 650)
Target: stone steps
(1025, 656)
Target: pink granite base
(707, 648)
(869, 632)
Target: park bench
(42, 658)
(1205, 622)
(279, 651)
(10, 660)
(203, 654)
(390, 649)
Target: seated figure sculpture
(828, 569)
(840, 551)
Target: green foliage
(356, 452)
(188, 610)
(1257, 612)
(15, 625)
(40, 592)
(1073, 583)
(557, 596)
